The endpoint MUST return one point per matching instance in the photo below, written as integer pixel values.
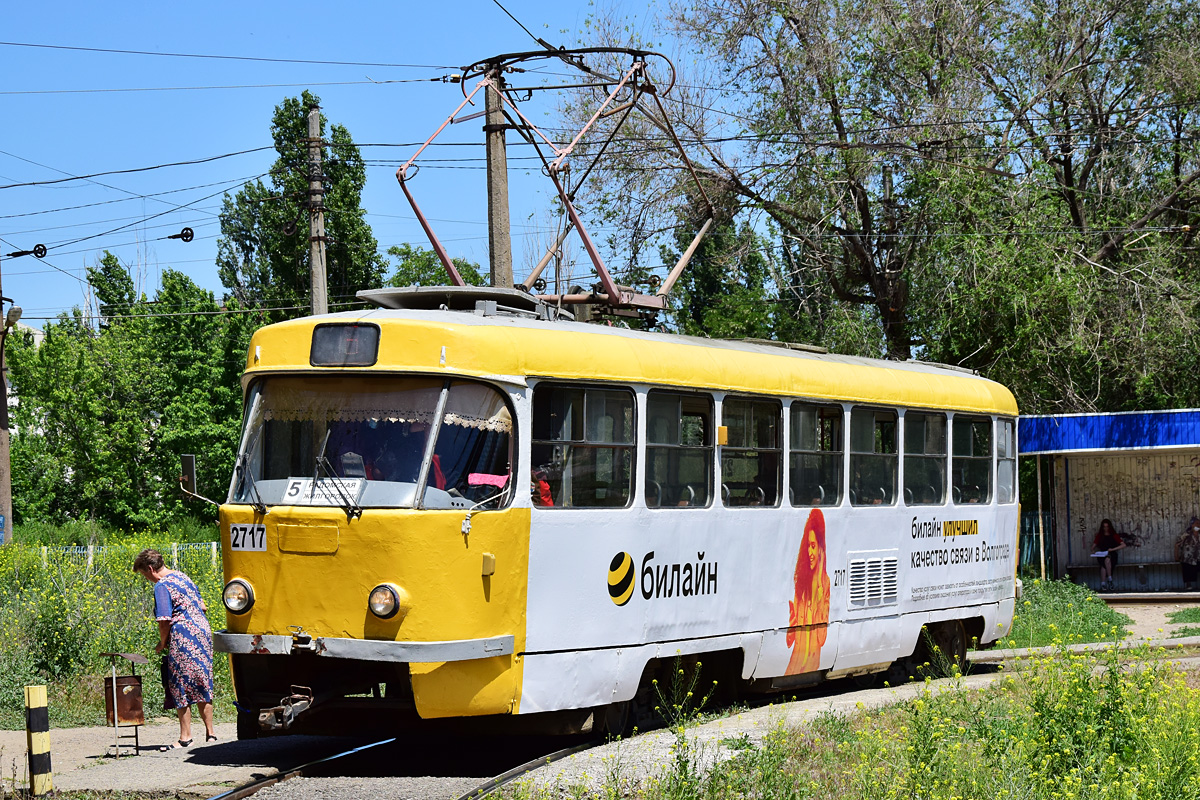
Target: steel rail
(482, 790)
(492, 784)
(247, 789)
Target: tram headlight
(238, 596)
(384, 601)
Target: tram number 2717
(247, 537)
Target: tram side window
(924, 459)
(1006, 462)
(972, 467)
(816, 455)
(750, 461)
(679, 449)
(583, 447)
(873, 457)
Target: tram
(461, 506)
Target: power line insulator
(187, 234)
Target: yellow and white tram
(457, 505)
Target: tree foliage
(1007, 186)
(103, 411)
(420, 266)
(263, 255)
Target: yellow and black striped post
(37, 728)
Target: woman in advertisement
(808, 613)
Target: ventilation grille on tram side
(873, 581)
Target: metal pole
(499, 232)
(1041, 528)
(116, 719)
(316, 215)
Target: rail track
(470, 768)
(395, 758)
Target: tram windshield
(374, 442)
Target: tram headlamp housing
(384, 601)
(238, 596)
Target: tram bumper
(363, 649)
(279, 715)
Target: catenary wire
(225, 57)
(125, 171)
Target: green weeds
(57, 616)
(1185, 615)
(1106, 725)
(1052, 612)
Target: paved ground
(1149, 620)
(82, 759)
(82, 756)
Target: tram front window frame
(369, 441)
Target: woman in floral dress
(183, 631)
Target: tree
(263, 254)
(1010, 186)
(419, 266)
(104, 412)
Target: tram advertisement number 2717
(247, 537)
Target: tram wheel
(247, 724)
(616, 719)
(942, 652)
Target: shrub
(57, 616)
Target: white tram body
(792, 515)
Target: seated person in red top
(539, 488)
(1108, 540)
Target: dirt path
(1149, 620)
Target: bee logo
(621, 578)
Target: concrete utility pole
(316, 215)
(499, 238)
(5, 461)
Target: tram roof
(514, 348)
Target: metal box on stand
(123, 699)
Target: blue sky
(49, 133)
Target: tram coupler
(283, 715)
(301, 640)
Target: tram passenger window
(750, 462)
(583, 446)
(679, 449)
(972, 467)
(816, 455)
(873, 457)
(924, 459)
(1006, 462)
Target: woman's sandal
(212, 737)
(179, 745)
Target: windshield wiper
(244, 472)
(348, 505)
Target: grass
(1050, 612)
(1098, 726)
(56, 618)
(1185, 615)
